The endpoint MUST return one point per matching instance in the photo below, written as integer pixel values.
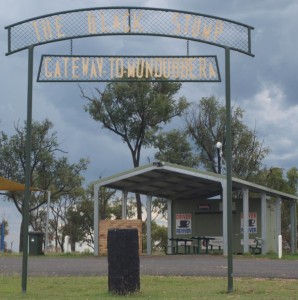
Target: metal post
(224, 217)
(218, 161)
(264, 222)
(277, 219)
(148, 204)
(245, 220)
(96, 220)
(124, 205)
(47, 222)
(170, 225)
(293, 227)
(2, 241)
(229, 168)
(28, 170)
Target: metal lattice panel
(129, 21)
(128, 68)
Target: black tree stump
(123, 261)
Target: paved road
(191, 265)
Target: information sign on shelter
(252, 223)
(183, 223)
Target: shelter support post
(28, 170)
(96, 220)
(124, 205)
(170, 225)
(148, 204)
(293, 227)
(277, 220)
(264, 222)
(245, 220)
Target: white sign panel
(183, 223)
(252, 222)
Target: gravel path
(184, 265)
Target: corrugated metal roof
(166, 180)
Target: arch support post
(28, 170)
(229, 168)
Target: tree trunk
(72, 246)
(136, 163)
(139, 206)
(61, 243)
(21, 237)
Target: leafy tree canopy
(50, 171)
(206, 126)
(135, 111)
(174, 147)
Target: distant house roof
(167, 180)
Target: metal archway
(109, 21)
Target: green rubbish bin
(35, 243)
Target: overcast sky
(264, 85)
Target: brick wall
(105, 225)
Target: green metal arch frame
(21, 30)
(239, 33)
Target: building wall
(206, 220)
(105, 225)
(205, 216)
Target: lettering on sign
(129, 21)
(100, 22)
(125, 68)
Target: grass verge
(152, 287)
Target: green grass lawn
(152, 287)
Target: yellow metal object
(9, 185)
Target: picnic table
(184, 241)
(202, 239)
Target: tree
(159, 236)
(292, 177)
(206, 125)
(48, 170)
(86, 220)
(276, 179)
(173, 146)
(135, 111)
(115, 208)
(72, 226)
(64, 219)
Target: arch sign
(113, 21)
(65, 68)
(129, 21)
